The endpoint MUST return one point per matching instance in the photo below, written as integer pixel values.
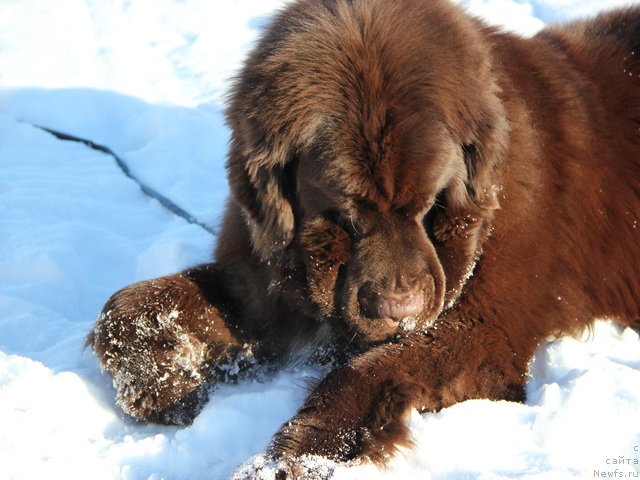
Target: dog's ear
(483, 152)
(261, 174)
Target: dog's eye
(345, 221)
(438, 208)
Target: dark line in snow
(146, 189)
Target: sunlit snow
(146, 78)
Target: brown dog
(442, 195)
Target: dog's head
(365, 140)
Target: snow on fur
(146, 78)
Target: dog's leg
(165, 340)
(360, 410)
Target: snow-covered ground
(146, 78)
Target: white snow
(146, 79)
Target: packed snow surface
(146, 78)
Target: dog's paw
(164, 342)
(306, 467)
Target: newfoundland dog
(431, 196)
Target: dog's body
(442, 195)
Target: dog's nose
(399, 305)
(392, 306)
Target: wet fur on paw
(155, 341)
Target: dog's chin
(372, 331)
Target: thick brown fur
(442, 195)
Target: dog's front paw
(350, 417)
(305, 467)
(160, 340)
